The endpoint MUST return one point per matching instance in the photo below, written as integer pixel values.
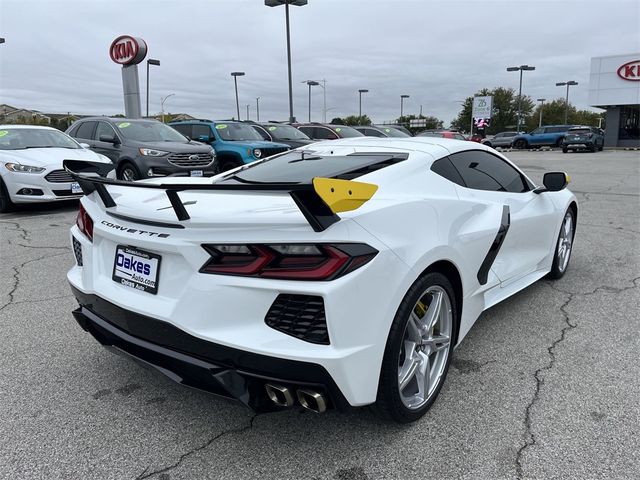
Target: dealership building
(614, 85)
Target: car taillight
(85, 223)
(288, 261)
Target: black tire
(565, 149)
(593, 148)
(6, 205)
(556, 270)
(389, 404)
(488, 144)
(601, 147)
(226, 165)
(129, 168)
(520, 143)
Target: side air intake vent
(301, 316)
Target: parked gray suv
(144, 148)
(502, 139)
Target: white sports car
(31, 165)
(338, 275)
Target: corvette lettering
(134, 230)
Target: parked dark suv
(144, 148)
(327, 131)
(282, 133)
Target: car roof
(39, 127)
(117, 119)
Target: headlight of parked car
(150, 152)
(257, 152)
(16, 167)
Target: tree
(553, 114)
(432, 123)
(355, 120)
(337, 121)
(505, 110)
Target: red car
(441, 134)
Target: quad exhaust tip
(311, 400)
(279, 395)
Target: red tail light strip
(85, 223)
(326, 262)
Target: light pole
(150, 61)
(566, 101)
(257, 109)
(235, 76)
(247, 112)
(286, 3)
(311, 83)
(323, 84)
(162, 100)
(521, 68)
(360, 92)
(1, 40)
(541, 100)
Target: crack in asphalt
(16, 277)
(144, 473)
(530, 438)
(23, 231)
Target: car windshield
(393, 132)
(580, 130)
(285, 132)
(22, 138)
(347, 132)
(237, 132)
(149, 131)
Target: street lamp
(1, 40)
(541, 100)
(258, 109)
(235, 76)
(323, 84)
(150, 61)
(521, 68)
(286, 3)
(360, 92)
(402, 97)
(566, 101)
(248, 105)
(162, 100)
(311, 83)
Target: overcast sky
(55, 58)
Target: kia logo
(127, 50)
(194, 157)
(630, 71)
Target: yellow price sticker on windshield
(123, 125)
(3, 133)
(221, 126)
(271, 129)
(338, 129)
(387, 130)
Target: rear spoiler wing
(319, 201)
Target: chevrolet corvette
(338, 275)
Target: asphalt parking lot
(546, 385)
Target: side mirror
(204, 138)
(109, 139)
(553, 182)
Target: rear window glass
(580, 130)
(296, 167)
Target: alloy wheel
(565, 242)
(425, 348)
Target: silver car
(502, 139)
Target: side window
(103, 129)
(445, 168)
(538, 130)
(183, 129)
(197, 131)
(325, 134)
(85, 130)
(370, 132)
(309, 131)
(263, 133)
(483, 171)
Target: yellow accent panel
(567, 177)
(343, 195)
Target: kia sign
(127, 50)
(630, 71)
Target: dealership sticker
(338, 129)
(387, 130)
(123, 125)
(3, 133)
(271, 129)
(221, 126)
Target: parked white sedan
(31, 165)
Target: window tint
(262, 132)
(369, 132)
(85, 130)
(538, 130)
(325, 134)
(198, 130)
(556, 129)
(445, 168)
(103, 129)
(183, 129)
(309, 131)
(483, 171)
(509, 134)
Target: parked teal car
(550, 135)
(235, 143)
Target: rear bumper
(193, 362)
